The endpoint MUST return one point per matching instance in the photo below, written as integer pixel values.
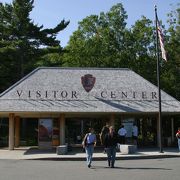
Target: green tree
(142, 52)
(171, 68)
(99, 40)
(105, 41)
(23, 43)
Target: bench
(127, 148)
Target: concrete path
(33, 153)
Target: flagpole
(159, 85)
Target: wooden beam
(11, 131)
(17, 131)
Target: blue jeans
(89, 153)
(179, 144)
(111, 154)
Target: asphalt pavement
(136, 169)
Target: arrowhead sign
(88, 82)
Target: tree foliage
(99, 40)
(23, 43)
(105, 41)
(171, 69)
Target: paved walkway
(33, 153)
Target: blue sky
(50, 12)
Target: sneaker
(112, 165)
(89, 165)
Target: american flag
(161, 41)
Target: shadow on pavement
(39, 151)
(130, 168)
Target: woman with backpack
(89, 143)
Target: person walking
(89, 143)
(110, 143)
(103, 133)
(178, 138)
(122, 134)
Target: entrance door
(45, 133)
(4, 127)
(76, 128)
(147, 132)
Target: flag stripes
(161, 41)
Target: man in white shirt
(122, 134)
(135, 134)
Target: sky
(50, 12)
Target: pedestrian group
(109, 139)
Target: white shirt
(135, 131)
(122, 132)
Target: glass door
(76, 128)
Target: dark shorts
(122, 139)
(134, 137)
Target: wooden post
(172, 130)
(62, 129)
(11, 131)
(17, 131)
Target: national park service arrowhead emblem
(88, 82)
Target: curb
(105, 158)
